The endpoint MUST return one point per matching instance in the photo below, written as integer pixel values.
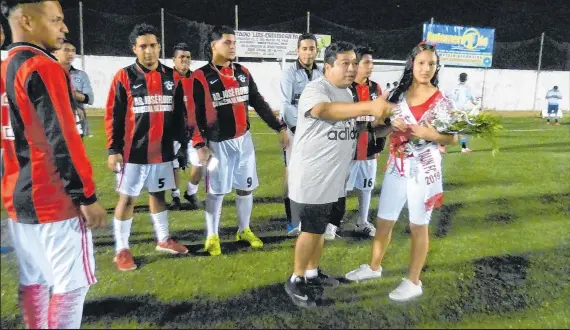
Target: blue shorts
(553, 109)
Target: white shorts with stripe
(153, 177)
(397, 190)
(58, 254)
(362, 175)
(236, 167)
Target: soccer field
(499, 254)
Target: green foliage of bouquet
(483, 125)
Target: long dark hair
(408, 75)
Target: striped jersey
(367, 145)
(47, 172)
(219, 103)
(145, 114)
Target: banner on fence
(273, 44)
(462, 45)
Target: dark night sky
(514, 20)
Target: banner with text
(273, 44)
(462, 45)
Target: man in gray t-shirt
(324, 145)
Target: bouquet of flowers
(447, 119)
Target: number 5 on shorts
(160, 183)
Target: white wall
(509, 90)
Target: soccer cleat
(249, 236)
(366, 229)
(406, 291)
(212, 245)
(363, 273)
(323, 279)
(176, 204)
(300, 293)
(330, 233)
(465, 150)
(171, 246)
(124, 260)
(192, 200)
(293, 230)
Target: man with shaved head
(47, 186)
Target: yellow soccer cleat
(249, 236)
(212, 245)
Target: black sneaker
(175, 205)
(300, 293)
(325, 280)
(193, 200)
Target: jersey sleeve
(115, 114)
(196, 111)
(49, 91)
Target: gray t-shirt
(322, 150)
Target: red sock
(66, 309)
(34, 303)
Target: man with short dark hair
(47, 188)
(362, 175)
(324, 145)
(145, 114)
(218, 106)
(294, 78)
(82, 91)
(182, 58)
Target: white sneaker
(366, 229)
(406, 291)
(330, 233)
(464, 150)
(363, 273)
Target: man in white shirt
(553, 96)
(294, 79)
(464, 100)
(323, 147)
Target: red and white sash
(426, 161)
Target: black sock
(555, 120)
(287, 202)
(463, 145)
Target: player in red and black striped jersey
(222, 92)
(363, 169)
(47, 187)
(145, 115)
(182, 57)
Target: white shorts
(362, 175)
(236, 167)
(153, 177)
(396, 191)
(191, 154)
(58, 254)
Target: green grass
(499, 252)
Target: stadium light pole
(162, 31)
(538, 70)
(308, 21)
(81, 35)
(236, 23)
